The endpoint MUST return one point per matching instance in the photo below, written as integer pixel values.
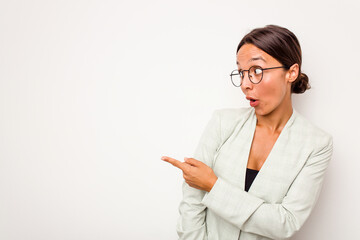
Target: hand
(197, 174)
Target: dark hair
(281, 44)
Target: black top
(250, 176)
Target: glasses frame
(249, 76)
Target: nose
(246, 83)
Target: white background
(93, 93)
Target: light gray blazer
(282, 195)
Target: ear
(292, 73)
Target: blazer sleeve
(191, 223)
(276, 221)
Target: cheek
(273, 90)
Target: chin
(263, 111)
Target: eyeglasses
(255, 74)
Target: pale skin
(273, 110)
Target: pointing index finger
(174, 162)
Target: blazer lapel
(275, 170)
(231, 161)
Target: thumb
(192, 161)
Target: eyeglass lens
(255, 75)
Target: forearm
(249, 213)
(191, 223)
(274, 220)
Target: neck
(276, 120)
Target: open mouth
(253, 102)
(251, 99)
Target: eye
(257, 70)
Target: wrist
(212, 183)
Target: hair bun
(301, 84)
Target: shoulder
(310, 133)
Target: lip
(251, 98)
(253, 101)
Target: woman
(256, 172)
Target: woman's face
(274, 90)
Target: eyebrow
(254, 59)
